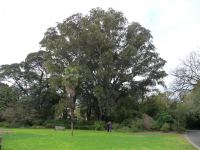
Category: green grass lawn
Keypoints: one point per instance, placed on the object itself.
(42, 139)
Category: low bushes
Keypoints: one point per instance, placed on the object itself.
(144, 122)
(148, 122)
(164, 118)
(131, 125)
(90, 125)
(181, 130)
(4, 124)
(165, 127)
(164, 123)
(99, 125)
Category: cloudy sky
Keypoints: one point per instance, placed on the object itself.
(174, 24)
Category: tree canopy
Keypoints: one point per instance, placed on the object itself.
(116, 58)
(187, 76)
(99, 62)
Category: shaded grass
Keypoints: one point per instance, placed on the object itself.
(43, 139)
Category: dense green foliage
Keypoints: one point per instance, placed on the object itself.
(186, 110)
(96, 68)
(116, 60)
(191, 108)
(27, 139)
(31, 98)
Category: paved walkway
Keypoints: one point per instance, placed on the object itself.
(194, 138)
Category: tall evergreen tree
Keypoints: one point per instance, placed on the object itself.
(116, 58)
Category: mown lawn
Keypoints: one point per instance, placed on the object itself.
(42, 139)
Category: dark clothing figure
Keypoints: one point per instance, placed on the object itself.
(109, 126)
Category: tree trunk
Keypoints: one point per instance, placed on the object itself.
(71, 96)
(88, 112)
(72, 120)
(72, 114)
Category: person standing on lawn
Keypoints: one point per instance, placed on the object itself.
(109, 126)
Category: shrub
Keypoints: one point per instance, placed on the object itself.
(135, 129)
(124, 129)
(181, 130)
(115, 126)
(16, 124)
(37, 127)
(155, 126)
(59, 122)
(193, 120)
(164, 118)
(132, 125)
(137, 125)
(4, 124)
(127, 123)
(148, 122)
(49, 125)
(85, 127)
(99, 125)
(37, 122)
(165, 127)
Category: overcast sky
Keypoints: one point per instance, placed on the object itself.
(174, 24)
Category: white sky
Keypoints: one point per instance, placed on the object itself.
(174, 24)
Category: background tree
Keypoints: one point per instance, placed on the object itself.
(188, 74)
(8, 97)
(192, 105)
(45, 96)
(155, 105)
(186, 84)
(31, 82)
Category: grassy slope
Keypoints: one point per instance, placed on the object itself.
(38, 139)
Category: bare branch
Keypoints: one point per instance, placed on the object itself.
(188, 75)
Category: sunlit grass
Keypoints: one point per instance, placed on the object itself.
(42, 139)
